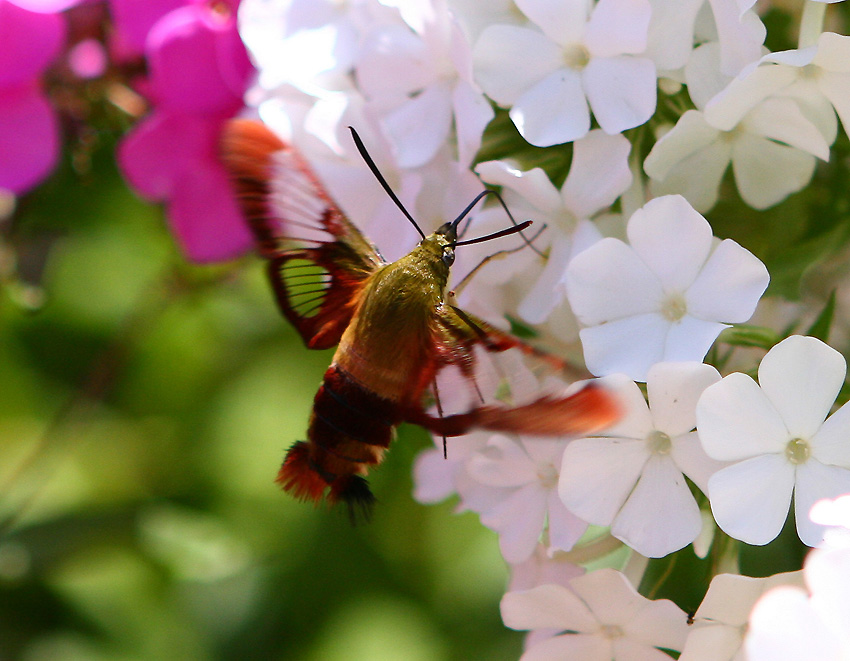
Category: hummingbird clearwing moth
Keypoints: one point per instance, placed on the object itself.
(395, 326)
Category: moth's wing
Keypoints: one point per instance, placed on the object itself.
(489, 379)
(318, 260)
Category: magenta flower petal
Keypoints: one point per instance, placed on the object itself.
(29, 137)
(46, 6)
(205, 217)
(133, 20)
(197, 62)
(30, 41)
(155, 154)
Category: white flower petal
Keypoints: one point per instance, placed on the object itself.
(519, 520)
(416, 142)
(507, 60)
(829, 445)
(609, 595)
(690, 338)
(816, 481)
(433, 477)
(627, 649)
(828, 578)
(671, 32)
(599, 173)
(698, 176)
(563, 22)
(660, 225)
(532, 185)
(692, 460)
(767, 172)
(726, 110)
(636, 420)
(703, 76)
(729, 286)
(501, 463)
(661, 515)
(472, 113)
(673, 390)
(618, 26)
(565, 528)
(598, 474)
(621, 91)
(836, 88)
(781, 119)
(801, 376)
(546, 607)
(741, 36)
(750, 499)
(547, 292)
(659, 623)
(833, 52)
(588, 647)
(785, 627)
(611, 347)
(552, 111)
(735, 420)
(609, 281)
(690, 136)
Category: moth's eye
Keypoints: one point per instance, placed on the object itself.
(448, 256)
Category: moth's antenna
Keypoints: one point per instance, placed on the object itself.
(495, 235)
(374, 168)
(521, 226)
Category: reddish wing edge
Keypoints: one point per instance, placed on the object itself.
(318, 260)
(589, 410)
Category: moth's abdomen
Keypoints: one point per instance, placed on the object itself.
(350, 429)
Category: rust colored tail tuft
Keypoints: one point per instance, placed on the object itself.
(298, 476)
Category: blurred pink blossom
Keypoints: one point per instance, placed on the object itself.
(29, 128)
(198, 71)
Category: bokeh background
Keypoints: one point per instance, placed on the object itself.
(145, 406)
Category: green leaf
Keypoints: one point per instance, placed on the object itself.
(820, 328)
(743, 335)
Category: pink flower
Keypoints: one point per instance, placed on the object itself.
(198, 72)
(29, 129)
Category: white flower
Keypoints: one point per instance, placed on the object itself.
(522, 477)
(665, 297)
(834, 513)
(418, 79)
(633, 479)
(739, 33)
(815, 77)
(772, 152)
(721, 620)
(789, 625)
(607, 620)
(776, 433)
(581, 55)
(599, 174)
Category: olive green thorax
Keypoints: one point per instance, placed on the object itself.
(391, 336)
(404, 294)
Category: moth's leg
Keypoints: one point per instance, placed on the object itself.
(440, 414)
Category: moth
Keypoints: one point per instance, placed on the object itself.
(395, 326)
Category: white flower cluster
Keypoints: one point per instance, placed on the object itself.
(626, 265)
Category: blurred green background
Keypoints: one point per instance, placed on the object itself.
(145, 406)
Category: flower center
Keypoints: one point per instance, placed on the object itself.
(674, 307)
(576, 57)
(657, 442)
(548, 476)
(612, 631)
(797, 451)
